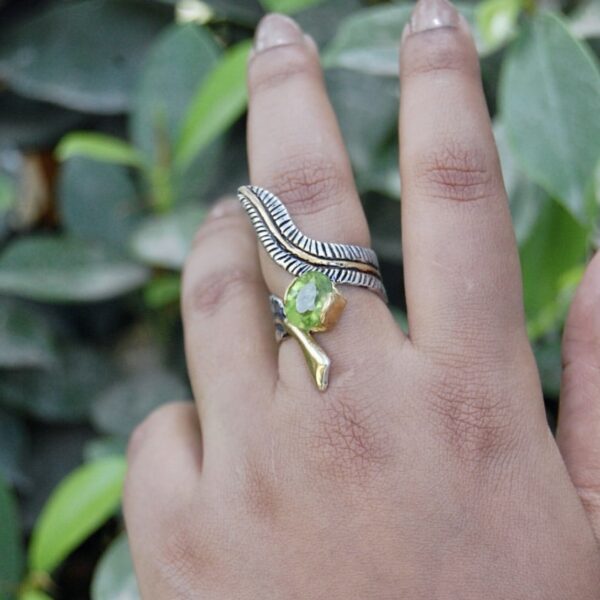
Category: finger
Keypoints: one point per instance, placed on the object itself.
(229, 334)
(460, 259)
(578, 433)
(164, 464)
(296, 151)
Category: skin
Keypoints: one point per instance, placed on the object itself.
(427, 470)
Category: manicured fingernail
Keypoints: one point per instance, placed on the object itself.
(276, 30)
(223, 208)
(431, 14)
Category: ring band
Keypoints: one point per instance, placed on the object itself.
(312, 302)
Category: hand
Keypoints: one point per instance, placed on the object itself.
(427, 469)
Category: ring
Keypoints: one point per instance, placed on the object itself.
(312, 303)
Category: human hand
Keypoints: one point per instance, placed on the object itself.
(427, 469)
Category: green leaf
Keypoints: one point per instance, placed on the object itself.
(369, 39)
(220, 101)
(98, 146)
(98, 201)
(104, 446)
(550, 94)
(554, 252)
(163, 290)
(114, 578)
(11, 545)
(14, 446)
(82, 502)
(7, 193)
(62, 391)
(62, 269)
(177, 65)
(165, 240)
(25, 337)
(584, 21)
(92, 65)
(497, 20)
(288, 6)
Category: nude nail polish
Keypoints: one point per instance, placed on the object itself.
(432, 14)
(276, 30)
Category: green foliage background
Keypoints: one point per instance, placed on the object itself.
(121, 121)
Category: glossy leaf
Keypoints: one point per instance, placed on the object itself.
(98, 146)
(550, 93)
(114, 578)
(98, 201)
(62, 269)
(76, 508)
(218, 104)
(91, 65)
(11, 544)
(165, 241)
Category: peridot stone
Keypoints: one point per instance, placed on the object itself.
(306, 300)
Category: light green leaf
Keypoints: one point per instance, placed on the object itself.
(77, 507)
(92, 65)
(34, 595)
(288, 6)
(62, 269)
(549, 95)
(163, 290)
(98, 146)
(11, 544)
(220, 101)
(555, 249)
(98, 201)
(165, 240)
(114, 578)
(497, 20)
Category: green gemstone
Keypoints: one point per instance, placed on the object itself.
(306, 299)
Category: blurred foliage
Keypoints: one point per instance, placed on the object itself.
(121, 121)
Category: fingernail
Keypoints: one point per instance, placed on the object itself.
(223, 208)
(431, 14)
(276, 30)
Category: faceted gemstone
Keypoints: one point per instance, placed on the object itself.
(307, 299)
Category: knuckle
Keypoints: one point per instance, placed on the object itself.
(309, 184)
(457, 173)
(349, 440)
(472, 414)
(279, 65)
(438, 52)
(257, 489)
(206, 294)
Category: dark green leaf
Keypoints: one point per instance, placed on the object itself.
(25, 337)
(61, 392)
(102, 447)
(219, 102)
(125, 404)
(60, 269)
(177, 65)
(288, 6)
(91, 65)
(14, 443)
(76, 508)
(98, 201)
(114, 578)
(98, 146)
(165, 240)
(11, 544)
(550, 93)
